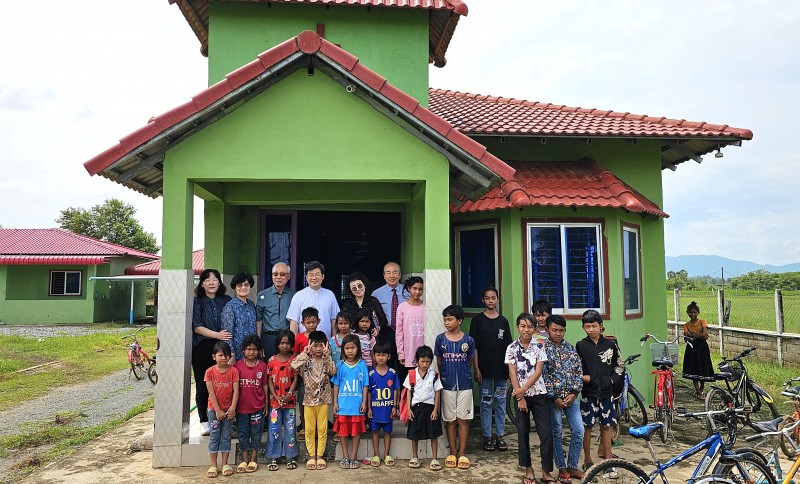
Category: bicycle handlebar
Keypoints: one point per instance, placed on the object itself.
(134, 333)
(740, 355)
(686, 339)
(788, 382)
(631, 359)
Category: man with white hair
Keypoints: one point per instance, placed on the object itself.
(272, 304)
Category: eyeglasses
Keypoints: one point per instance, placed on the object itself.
(280, 274)
(244, 284)
(357, 287)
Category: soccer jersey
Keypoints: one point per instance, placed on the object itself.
(455, 356)
(382, 390)
(351, 381)
(251, 386)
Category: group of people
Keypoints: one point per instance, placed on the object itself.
(257, 363)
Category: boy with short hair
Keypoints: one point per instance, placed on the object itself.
(601, 370)
(541, 309)
(455, 355)
(383, 388)
(310, 322)
(563, 377)
(316, 367)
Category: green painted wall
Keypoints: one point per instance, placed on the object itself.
(391, 41)
(639, 166)
(332, 150)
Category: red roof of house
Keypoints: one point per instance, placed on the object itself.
(443, 18)
(583, 183)
(132, 153)
(55, 242)
(479, 114)
(152, 268)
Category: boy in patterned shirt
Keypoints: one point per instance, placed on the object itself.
(563, 377)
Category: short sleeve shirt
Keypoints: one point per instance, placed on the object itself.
(222, 384)
(251, 386)
(351, 381)
(525, 360)
(424, 388)
(382, 390)
(282, 376)
(455, 357)
(492, 337)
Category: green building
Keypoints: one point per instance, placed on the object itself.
(319, 139)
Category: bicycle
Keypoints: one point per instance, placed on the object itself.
(629, 404)
(665, 356)
(731, 467)
(152, 374)
(791, 442)
(137, 356)
(740, 391)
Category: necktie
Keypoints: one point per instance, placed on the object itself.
(395, 302)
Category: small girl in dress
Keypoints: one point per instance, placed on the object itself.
(343, 328)
(350, 400)
(697, 358)
(365, 330)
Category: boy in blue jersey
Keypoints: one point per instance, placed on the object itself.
(455, 356)
(383, 387)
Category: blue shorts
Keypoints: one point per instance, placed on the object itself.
(386, 426)
(598, 409)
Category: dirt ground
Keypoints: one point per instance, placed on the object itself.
(108, 458)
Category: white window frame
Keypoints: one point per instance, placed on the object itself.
(64, 288)
(467, 228)
(601, 264)
(633, 229)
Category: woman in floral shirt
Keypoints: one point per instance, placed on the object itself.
(525, 360)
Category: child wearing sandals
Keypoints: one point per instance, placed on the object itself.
(423, 407)
(222, 382)
(316, 367)
(282, 440)
(350, 397)
(252, 400)
(383, 386)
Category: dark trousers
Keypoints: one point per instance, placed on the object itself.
(269, 343)
(537, 405)
(201, 361)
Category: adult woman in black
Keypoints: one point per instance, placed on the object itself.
(359, 288)
(209, 300)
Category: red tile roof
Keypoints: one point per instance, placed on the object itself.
(152, 268)
(46, 260)
(41, 242)
(129, 152)
(442, 24)
(583, 183)
(476, 114)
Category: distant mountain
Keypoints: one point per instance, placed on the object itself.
(710, 265)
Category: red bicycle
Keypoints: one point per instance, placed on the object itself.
(665, 356)
(137, 358)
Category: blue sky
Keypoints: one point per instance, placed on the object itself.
(77, 76)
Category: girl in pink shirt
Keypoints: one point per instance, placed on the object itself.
(411, 322)
(252, 401)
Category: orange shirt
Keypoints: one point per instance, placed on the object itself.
(694, 327)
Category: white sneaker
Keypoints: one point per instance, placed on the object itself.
(205, 428)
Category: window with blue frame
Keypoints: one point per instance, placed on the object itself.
(631, 270)
(565, 266)
(476, 263)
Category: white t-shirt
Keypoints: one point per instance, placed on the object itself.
(323, 300)
(424, 388)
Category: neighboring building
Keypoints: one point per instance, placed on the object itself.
(329, 145)
(45, 278)
(153, 267)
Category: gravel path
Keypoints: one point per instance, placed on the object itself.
(30, 331)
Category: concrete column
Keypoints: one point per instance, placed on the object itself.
(437, 297)
(171, 419)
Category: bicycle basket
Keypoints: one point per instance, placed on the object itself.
(735, 368)
(665, 351)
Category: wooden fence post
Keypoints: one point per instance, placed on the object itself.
(676, 300)
(779, 324)
(720, 319)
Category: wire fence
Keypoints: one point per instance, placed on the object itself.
(756, 310)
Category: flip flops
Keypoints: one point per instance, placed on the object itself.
(435, 465)
(463, 462)
(291, 465)
(564, 477)
(212, 472)
(241, 468)
(344, 463)
(388, 460)
(450, 462)
(252, 466)
(501, 445)
(375, 461)
(273, 465)
(414, 463)
(321, 464)
(311, 464)
(488, 445)
(227, 470)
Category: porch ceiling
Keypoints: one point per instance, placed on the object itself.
(137, 160)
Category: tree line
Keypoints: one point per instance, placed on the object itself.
(760, 280)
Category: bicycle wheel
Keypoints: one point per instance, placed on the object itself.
(749, 470)
(659, 415)
(717, 399)
(137, 367)
(634, 414)
(762, 409)
(151, 373)
(620, 416)
(786, 446)
(615, 471)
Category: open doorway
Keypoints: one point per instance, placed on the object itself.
(342, 241)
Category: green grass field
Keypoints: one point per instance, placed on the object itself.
(80, 358)
(749, 309)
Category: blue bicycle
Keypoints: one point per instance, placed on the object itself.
(743, 468)
(629, 404)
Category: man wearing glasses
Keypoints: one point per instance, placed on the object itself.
(272, 304)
